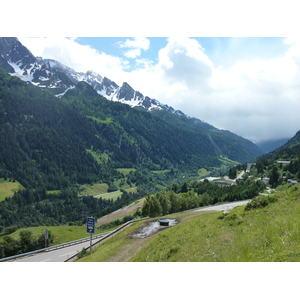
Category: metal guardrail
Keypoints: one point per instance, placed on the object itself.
(54, 247)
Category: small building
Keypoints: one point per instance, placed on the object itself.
(266, 180)
(283, 162)
(222, 183)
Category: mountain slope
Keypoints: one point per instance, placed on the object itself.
(54, 76)
(43, 141)
(51, 142)
(289, 150)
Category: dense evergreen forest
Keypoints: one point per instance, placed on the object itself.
(36, 207)
(43, 141)
(56, 143)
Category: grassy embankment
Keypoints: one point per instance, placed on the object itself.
(65, 234)
(270, 233)
(7, 188)
(62, 234)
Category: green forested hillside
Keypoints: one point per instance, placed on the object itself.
(49, 143)
(228, 144)
(280, 173)
(138, 138)
(43, 141)
(81, 138)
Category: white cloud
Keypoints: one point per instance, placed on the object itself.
(136, 45)
(133, 53)
(183, 60)
(258, 99)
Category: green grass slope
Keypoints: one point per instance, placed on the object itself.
(8, 187)
(269, 233)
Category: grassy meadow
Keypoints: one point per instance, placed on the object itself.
(266, 234)
(95, 189)
(7, 188)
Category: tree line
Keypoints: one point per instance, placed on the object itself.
(35, 207)
(193, 194)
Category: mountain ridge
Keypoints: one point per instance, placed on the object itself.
(104, 86)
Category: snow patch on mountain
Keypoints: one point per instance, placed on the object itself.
(25, 75)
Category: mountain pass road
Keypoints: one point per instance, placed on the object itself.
(225, 206)
(58, 255)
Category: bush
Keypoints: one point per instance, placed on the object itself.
(9, 230)
(261, 201)
(231, 217)
(82, 253)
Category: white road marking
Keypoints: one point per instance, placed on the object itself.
(68, 253)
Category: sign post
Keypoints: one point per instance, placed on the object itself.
(46, 237)
(90, 228)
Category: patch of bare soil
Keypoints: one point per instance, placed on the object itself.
(117, 214)
(138, 238)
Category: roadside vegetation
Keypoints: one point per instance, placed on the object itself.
(14, 240)
(252, 233)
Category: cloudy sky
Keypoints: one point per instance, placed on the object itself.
(228, 63)
(248, 85)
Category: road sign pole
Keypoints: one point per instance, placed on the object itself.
(90, 228)
(91, 243)
(46, 237)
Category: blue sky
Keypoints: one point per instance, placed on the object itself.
(221, 50)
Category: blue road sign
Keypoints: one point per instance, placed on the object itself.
(90, 225)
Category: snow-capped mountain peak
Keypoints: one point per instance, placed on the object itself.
(49, 73)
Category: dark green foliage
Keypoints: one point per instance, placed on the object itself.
(199, 194)
(232, 173)
(274, 176)
(225, 142)
(266, 166)
(32, 207)
(9, 230)
(118, 222)
(10, 246)
(82, 253)
(43, 141)
(261, 201)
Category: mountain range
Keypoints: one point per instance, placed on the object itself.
(18, 61)
(123, 127)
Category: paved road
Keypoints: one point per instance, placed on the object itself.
(59, 255)
(240, 175)
(225, 207)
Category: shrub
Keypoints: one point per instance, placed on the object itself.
(261, 201)
(231, 217)
(82, 253)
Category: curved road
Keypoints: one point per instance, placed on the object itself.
(62, 254)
